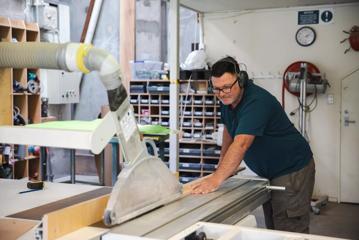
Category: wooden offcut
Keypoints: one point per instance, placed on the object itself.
(37, 213)
(14, 228)
(72, 218)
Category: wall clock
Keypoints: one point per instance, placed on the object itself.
(305, 36)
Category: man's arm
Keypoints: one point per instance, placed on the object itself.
(227, 166)
(226, 142)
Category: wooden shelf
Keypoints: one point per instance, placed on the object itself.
(34, 27)
(17, 24)
(29, 104)
(4, 22)
(196, 103)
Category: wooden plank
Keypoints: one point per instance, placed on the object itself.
(12, 202)
(34, 108)
(59, 223)
(14, 228)
(6, 98)
(85, 233)
(38, 212)
(127, 38)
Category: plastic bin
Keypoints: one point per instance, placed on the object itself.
(134, 100)
(209, 167)
(165, 112)
(146, 69)
(187, 124)
(209, 152)
(158, 88)
(190, 166)
(187, 179)
(190, 151)
(138, 88)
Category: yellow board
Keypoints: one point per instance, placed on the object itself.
(59, 223)
(12, 228)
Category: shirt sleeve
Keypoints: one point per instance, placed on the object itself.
(254, 117)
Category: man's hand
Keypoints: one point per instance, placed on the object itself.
(205, 185)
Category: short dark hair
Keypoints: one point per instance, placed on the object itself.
(225, 65)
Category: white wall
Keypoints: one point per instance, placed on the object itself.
(148, 30)
(264, 40)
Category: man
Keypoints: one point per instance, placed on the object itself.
(258, 130)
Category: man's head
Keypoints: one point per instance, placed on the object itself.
(224, 79)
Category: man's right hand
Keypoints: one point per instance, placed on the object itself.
(204, 185)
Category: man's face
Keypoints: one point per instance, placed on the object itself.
(227, 89)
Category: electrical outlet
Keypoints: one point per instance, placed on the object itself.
(330, 98)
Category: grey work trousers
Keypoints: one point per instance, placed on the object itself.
(289, 210)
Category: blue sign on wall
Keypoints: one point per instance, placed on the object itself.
(326, 16)
(308, 17)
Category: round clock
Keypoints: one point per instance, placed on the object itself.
(305, 36)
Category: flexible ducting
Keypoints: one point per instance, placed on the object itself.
(32, 55)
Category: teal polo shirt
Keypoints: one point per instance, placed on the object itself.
(278, 147)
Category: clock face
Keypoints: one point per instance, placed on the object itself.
(305, 36)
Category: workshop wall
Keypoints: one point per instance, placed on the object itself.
(189, 32)
(12, 9)
(265, 41)
(148, 30)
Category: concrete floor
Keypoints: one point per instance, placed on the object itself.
(334, 220)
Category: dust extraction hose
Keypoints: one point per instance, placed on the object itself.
(69, 57)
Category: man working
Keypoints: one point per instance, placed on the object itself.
(258, 130)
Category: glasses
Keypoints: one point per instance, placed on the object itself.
(225, 89)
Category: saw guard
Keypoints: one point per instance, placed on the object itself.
(141, 187)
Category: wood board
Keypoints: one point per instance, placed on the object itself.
(59, 223)
(11, 228)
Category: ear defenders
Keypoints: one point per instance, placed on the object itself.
(242, 76)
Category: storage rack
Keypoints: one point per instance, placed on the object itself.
(29, 104)
(200, 116)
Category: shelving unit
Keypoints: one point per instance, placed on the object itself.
(29, 104)
(200, 116)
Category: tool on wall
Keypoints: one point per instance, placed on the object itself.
(353, 39)
(303, 79)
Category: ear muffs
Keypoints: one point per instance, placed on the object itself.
(210, 86)
(242, 79)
